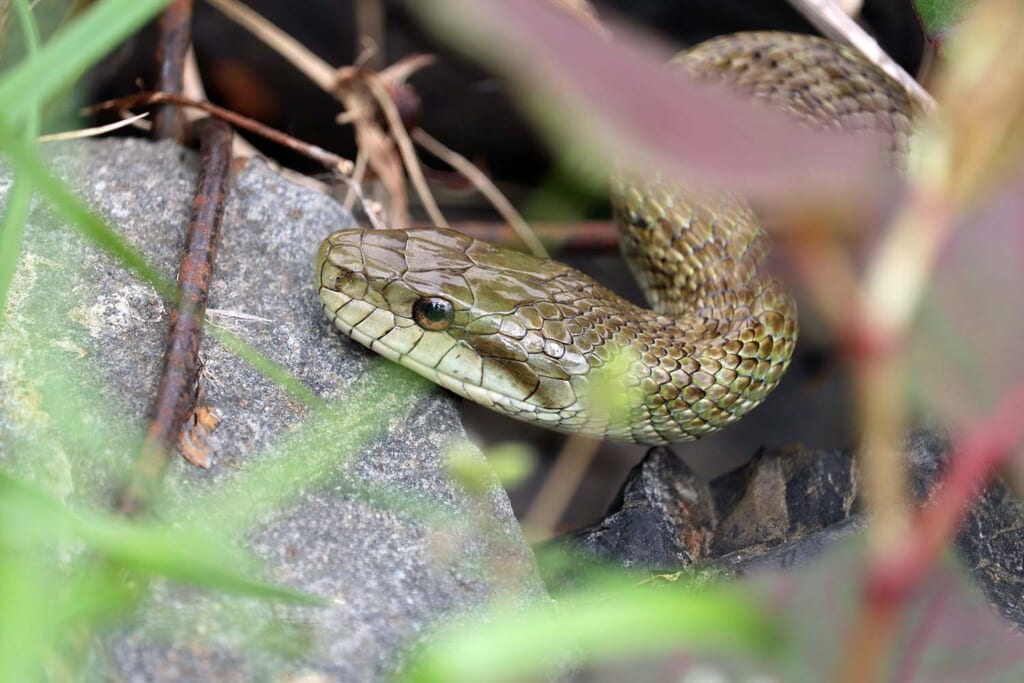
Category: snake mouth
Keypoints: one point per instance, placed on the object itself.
(354, 318)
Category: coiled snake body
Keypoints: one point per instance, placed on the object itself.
(541, 341)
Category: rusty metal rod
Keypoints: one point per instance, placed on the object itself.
(175, 390)
(172, 48)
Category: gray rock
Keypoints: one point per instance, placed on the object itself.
(354, 505)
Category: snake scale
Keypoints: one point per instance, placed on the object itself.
(540, 341)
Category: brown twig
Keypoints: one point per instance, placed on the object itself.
(358, 172)
(93, 131)
(559, 487)
(577, 237)
(175, 390)
(401, 138)
(488, 189)
(314, 68)
(330, 160)
(370, 208)
(175, 38)
(371, 24)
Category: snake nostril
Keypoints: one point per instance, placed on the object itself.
(342, 279)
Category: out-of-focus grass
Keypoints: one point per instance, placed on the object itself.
(16, 210)
(610, 618)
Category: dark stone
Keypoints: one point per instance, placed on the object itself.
(667, 518)
(786, 507)
(662, 518)
(782, 495)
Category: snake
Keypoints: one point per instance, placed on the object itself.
(542, 342)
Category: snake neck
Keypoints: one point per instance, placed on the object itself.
(688, 254)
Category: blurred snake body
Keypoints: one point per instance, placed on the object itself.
(542, 342)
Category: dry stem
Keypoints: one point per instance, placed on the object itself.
(488, 189)
(831, 19)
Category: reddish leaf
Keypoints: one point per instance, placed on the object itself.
(948, 633)
(966, 344)
(618, 99)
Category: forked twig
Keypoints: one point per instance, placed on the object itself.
(330, 160)
(401, 137)
(488, 189)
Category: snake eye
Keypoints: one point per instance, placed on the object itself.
(433, 313)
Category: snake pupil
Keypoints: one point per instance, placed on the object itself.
(433, 313)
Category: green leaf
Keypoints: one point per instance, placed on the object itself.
(617, 620)
(25, 622)
(12, 226)
(30, 518)
(71, 51)
(511, 462)
(939, 16)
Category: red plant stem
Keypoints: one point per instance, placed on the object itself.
(172, 48)
(891, 579)
(913, 653)
(175, 390)
(979, 453)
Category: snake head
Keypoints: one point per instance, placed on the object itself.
(490, 324)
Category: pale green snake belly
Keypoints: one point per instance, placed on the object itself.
(540, 341)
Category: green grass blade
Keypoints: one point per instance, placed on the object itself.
(74, 210)
(71, 51)
(32, 518)
(618, 622)
(12, 228)
(266, 367)
(25, 624)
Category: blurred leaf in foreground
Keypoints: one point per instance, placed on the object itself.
(31, 518)
(510, 461)
(949, 633)
(617, 100)
(965, 346)
(51, 591)
(71, 50)
(609, 620)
